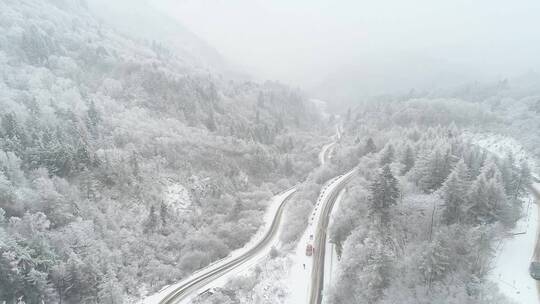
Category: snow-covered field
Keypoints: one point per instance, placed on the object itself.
(268, 218)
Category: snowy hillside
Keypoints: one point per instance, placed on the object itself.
(126, 164)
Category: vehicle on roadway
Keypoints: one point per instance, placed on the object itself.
(309, 250)
(534, 270)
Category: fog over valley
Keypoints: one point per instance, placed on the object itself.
(370, 47)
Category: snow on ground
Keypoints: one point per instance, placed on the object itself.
(514, 254)
(176, 197)
(299, 277)
(268, 218)
(500, 145)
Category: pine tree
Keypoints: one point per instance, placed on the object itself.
(152, 222)
(387, 156)
(509, 173)
(478, 200)
(491, 170)
(435, 262)
(454, 194)
(384, 193)
(488, 201)
(499, 208)
(524, 180)
(431, 170)
(407, 160)
(370, 146)
(109, 291)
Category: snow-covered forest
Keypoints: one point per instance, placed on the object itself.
(422, 220)
(133, 155)
(123, 169)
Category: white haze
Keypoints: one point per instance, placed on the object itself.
(343, 47)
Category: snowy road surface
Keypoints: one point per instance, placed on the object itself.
(325, 152)
(307, 273)
(214, 274)
(511, 267)
(327, 149)
(327, 200)
(331, 258)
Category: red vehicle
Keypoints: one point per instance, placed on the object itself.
(309, 250)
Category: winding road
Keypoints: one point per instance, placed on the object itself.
(328, 199)
(202, 280)
(199, 280)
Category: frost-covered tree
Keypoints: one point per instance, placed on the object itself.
(523, 181)
(407, 160)
(370, 147)
(454, 192)
(109, 289)
(384, 193)
(431, 170)
(487, 201)
(509, 172)
(435, 261)
(387, 155)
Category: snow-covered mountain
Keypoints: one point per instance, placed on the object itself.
(127, 162)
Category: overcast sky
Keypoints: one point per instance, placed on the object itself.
(382, 42)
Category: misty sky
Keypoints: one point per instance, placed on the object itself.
(381, 44)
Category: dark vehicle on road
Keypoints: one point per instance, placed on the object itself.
(534, 270)
(309, 250)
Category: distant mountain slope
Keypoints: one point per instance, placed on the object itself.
(98, 128)
(141, 20)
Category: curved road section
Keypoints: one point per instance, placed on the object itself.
(317, 274)
(199, 281)
(202, 280)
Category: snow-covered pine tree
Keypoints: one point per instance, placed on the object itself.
(387, 155)
(454, 194)
(407, 160)
(479, 205)
(384, 194)
(109, 291)
(488, 201)
(499, 208)
(370, 146)
(432, 169)
(509, 173)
